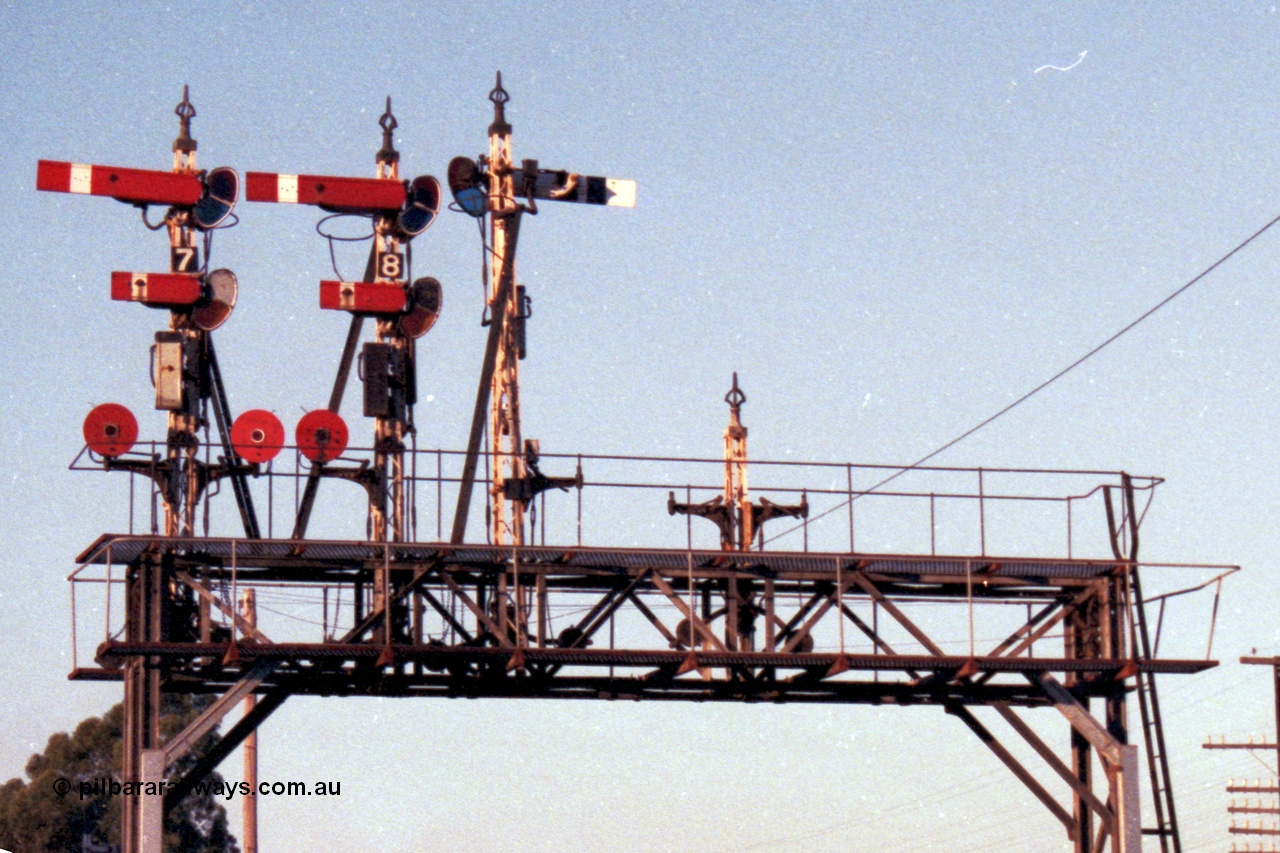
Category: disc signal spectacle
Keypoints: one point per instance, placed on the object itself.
(468, 186)
(217, 300)
(424, 303)
(110, 430)
(257, 436)
(421, 206)
(221, 189)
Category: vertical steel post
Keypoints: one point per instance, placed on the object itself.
(1074, 631)
(509, 474)
(146, 582)
(1275, 680)
(151, 806)
(387, 518)
(249, 610)
(143, 591)
(507, 522)
(736, 497)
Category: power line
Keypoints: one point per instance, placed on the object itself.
(1045, 384)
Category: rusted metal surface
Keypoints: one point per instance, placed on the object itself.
(112, 653)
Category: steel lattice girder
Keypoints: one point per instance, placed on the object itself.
(483, 659)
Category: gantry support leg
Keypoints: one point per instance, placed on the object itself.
(144, 593)
(1092, 629)
(1082, 771)
(1119, 818)
(1119, 760)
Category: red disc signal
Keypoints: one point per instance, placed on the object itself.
(321, 435)
(257, 435)
(110, 429)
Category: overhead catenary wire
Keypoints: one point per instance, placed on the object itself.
(1046, 383)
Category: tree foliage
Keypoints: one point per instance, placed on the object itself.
(34, 818)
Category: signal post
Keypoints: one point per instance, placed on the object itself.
(402, 312)
(491, 187)
(186, 378)
(389, 388)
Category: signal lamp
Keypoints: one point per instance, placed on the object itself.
(425, 301)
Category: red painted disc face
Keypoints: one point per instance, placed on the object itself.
(257, 435)
(322, 435)
(110, 429)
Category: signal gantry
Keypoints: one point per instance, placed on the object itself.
(525, 615)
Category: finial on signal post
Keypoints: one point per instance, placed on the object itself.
(185, 113)
(499, 97)
(388, 122)
(735, 398)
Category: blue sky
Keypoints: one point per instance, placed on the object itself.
(879, 214)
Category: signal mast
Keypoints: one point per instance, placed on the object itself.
(402, 312)
(489, 187)
(740, 522)
(187, 378)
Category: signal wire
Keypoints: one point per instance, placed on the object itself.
(1045, 384)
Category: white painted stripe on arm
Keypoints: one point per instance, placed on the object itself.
(287, 189)
(81, 178)
(621, 193)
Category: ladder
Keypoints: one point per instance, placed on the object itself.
(1166, 827)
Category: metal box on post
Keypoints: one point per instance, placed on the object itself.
(168, 371)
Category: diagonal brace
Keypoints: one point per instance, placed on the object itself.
(240, 622)
(694, 620)
(861, 580)
(225, 746)
(1101, 809)
(653, 619)
(498, 634)
(1066, 610)
(1109, 749)
(827, 603)
(1013, 764)
(213, 715)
